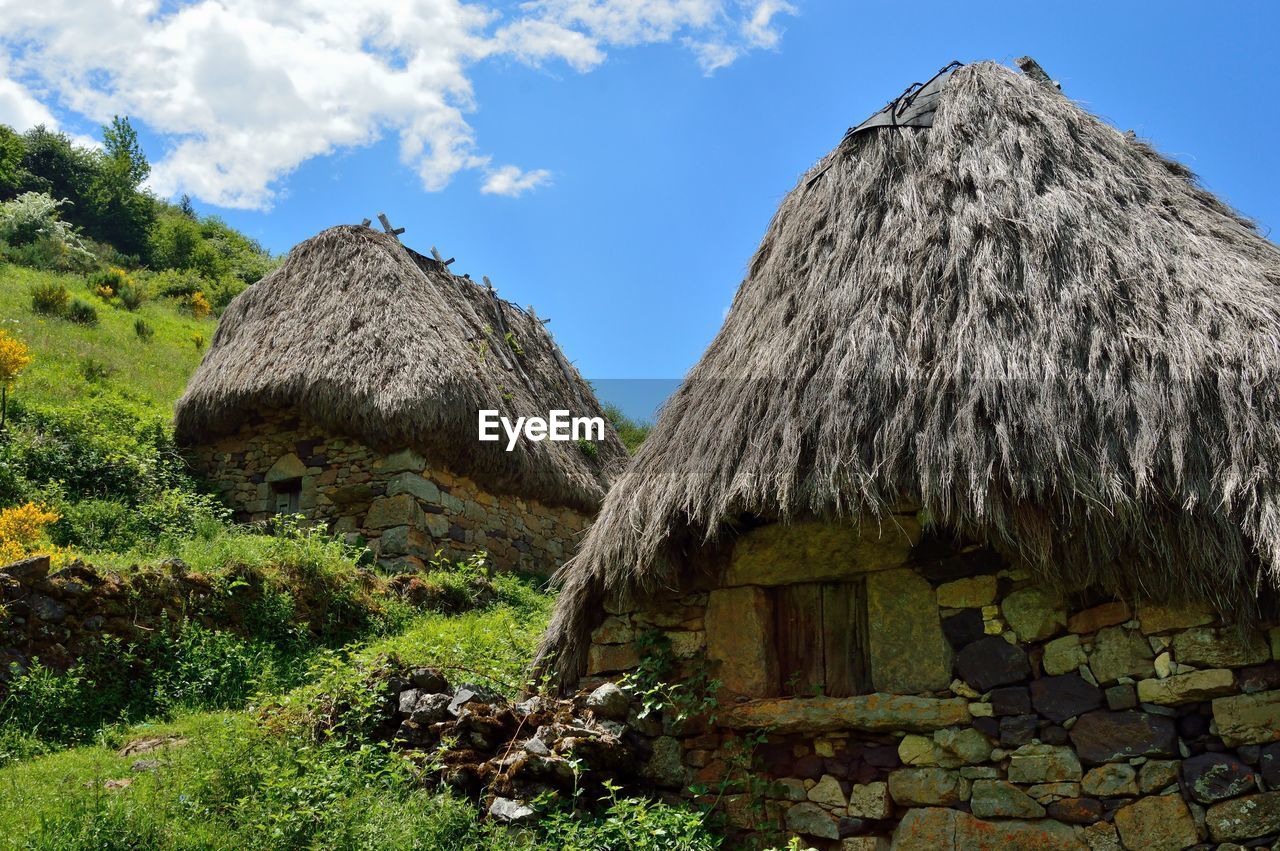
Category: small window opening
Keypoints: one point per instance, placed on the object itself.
(286, 494)
(820, 638)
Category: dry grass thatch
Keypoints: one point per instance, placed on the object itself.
(1026, 322)
(366, 337)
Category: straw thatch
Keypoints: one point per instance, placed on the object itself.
(365, 337)
(1029, 324)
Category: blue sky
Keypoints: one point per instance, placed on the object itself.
(652, 174)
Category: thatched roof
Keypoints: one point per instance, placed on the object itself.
(1031, 325)
(365, 337)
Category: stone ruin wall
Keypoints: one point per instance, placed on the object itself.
(990, 714)
(405, 507)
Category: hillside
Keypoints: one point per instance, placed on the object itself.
(73, 362)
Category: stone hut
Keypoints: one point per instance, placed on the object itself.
(967, 520)
(346, 386)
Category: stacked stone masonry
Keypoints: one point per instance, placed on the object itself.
(993, 714)
(403, 506)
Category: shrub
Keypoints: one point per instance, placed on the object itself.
(144, 331)
(93, 370)
(50, 298)
(36, 236)
(81, 312)
(131, 295)
(199, 305)
(21, 529)
(198, 340)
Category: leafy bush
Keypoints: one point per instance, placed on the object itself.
(143, 330)
(81, 312)
(93, 370)
(36, 236)
(131, 295)
(22, 528)
(631, 432)
(50, 298)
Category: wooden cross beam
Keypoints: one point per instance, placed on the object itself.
(386, 226)
(1032, 69)
(364, 224)
(439, 258)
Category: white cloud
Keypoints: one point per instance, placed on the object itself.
(242, 92)
(510, 180)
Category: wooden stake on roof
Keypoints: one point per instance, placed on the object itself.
(564, 365)
(386, 226)
(364, 223)
(506, 334)
(1032, 69)
(440, 259)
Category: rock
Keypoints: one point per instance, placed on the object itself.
(1245, 818)
(1047, 793)
(972, 592)
(815, 551)
(1187, 688)
(1043, 764)
(870, 800)
(1263, 677)
(999, 798)
(1034, 614)
(827, 792)
(507, 811)
(1018, 730)
(1112, 780)
(414, 484)
(1156, 774)
(537, 747)
(401, 510)
(1121, 696)
(1161, 618)
(1119, 652)
(666, 765)
(1011, 700)
(1269, 765)
(613, 630)
(1063, 655)
(1076, 810)
(1248, 719)
(922, 787)
(429, 679)
(612, 658)
(962, 746)
(1104, 736)
(1164, 665)
(906, 647)
(1092, 620)
(144, 765)
(864, 843)
(408, 699)
(1102, 836)
(917, 750)
(991, 662)
(1159, 823)
(869, 713)
(952, 829)
(47, 609)
(1062, 697)
(810, 819)
(1206, 647)
(609, 701)
(431, 709)
(29, 570)
(1213, 777)
(469, 694)
(739, 625)
(963, 628)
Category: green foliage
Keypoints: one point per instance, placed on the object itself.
(588, 448)
(50, 298)
(11, 152)
(631, 432)
(81, 312)
(143, 330)
(131, 295)
(93, 370)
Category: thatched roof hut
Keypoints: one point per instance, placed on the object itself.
(367, 337)
(1030, 325)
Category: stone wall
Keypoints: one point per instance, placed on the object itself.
(404, 506)
(984, 711)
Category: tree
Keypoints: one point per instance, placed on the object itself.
(125, 214)
(14, 358)
(12, 175)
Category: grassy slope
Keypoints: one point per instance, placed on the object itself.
(152, 374)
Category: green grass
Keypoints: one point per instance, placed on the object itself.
(151, 374)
